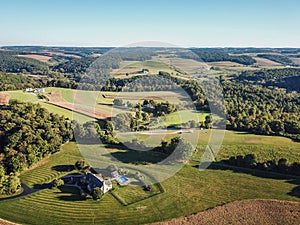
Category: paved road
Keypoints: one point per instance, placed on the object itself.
(27, 190)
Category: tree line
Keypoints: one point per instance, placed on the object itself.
(28, 133)
(277, 58)
(213, 55)
(250, 161)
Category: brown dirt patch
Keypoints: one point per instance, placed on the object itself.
(225, 64)
(63, 54)
(4, 98)
(246, 212)
(5, 222)
(41, 58)
(56, 98)
(265, 62)
(296, 60)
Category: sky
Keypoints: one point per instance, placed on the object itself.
(184, 23)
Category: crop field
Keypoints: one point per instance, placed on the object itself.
(89, 104)
(135, 67)
(245, 212)
(30, 97)
(296, 61)
(183, 66)
(266, 62)
(187, 192)
(41, 58)
(100, 104)
(225, 64)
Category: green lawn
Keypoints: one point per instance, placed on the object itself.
(264, 147)
(51, 167)
(184, 116)
(188, 191)
(23, 96)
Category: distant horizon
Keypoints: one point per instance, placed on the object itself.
(111, 46)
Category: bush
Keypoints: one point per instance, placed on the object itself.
(80, 164)
(97, 193)
(58, 183)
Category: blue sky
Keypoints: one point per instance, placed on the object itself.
(187, 23)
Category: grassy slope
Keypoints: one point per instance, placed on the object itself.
(189, 191)
(264, 147)
(29, 97)
(46, 172)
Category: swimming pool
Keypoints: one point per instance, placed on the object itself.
(123, 179)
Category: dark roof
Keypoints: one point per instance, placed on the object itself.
(93, 180)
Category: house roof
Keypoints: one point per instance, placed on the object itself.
(96, 181)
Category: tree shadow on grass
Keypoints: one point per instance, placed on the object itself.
(42, 186)
(295, 192)
(107, 104)
(138, 157)
(63, 168)
(143, 156)
(72, 194)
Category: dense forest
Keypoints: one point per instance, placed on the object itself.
(261, 110)
(79, 51)
(14, 64)
(77, 66)
(284, 78)
(16, 82)
(213, 55)
(28, 133)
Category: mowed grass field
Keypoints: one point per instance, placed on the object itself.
(51, 167)
(263, 147)
(187, 192)
(30, 97)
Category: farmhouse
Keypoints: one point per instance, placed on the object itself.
(95, 181)
(144, 71)
(37, 90)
